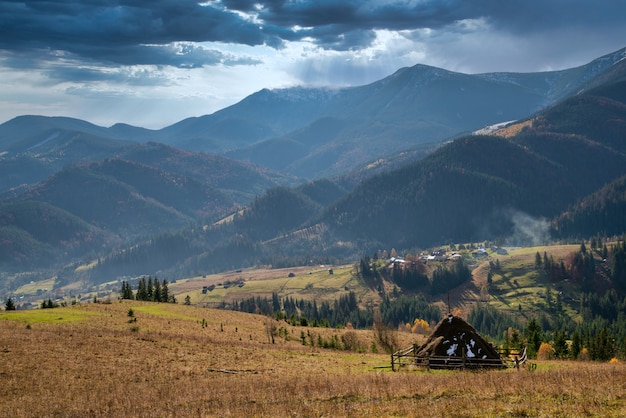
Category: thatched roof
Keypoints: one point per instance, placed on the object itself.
(454, 338)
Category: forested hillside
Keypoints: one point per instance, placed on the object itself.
(504, 187)
(475, 186)
(37, 234)
(602, 214)
(136, 191)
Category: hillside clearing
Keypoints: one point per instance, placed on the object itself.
(306, 283)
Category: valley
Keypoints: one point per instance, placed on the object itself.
(516, 285)
(313, 209)
(515, 230)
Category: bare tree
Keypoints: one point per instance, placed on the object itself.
(271, 327)
(386, 337)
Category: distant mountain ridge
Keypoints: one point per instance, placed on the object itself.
(127, 204)
(137, 191)
(412, 106)
(320, 132)
(514, 187)
(475, 186)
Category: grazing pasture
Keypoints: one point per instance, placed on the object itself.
(140, 359)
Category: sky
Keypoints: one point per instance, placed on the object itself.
(152, 63)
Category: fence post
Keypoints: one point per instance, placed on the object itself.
(463, 356)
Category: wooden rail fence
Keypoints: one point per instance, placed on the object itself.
(407, 357)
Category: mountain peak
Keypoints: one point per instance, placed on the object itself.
(297, 94)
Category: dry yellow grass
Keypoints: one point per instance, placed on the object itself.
(513, 129)
(98, 364)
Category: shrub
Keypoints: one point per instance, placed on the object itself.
(350, 341)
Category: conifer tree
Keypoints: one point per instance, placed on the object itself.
(9, 305)
(149, 289)
(165, 293)
(157, 296)
(127, 291)
(560, 344)
(142, 293)
(576, 345)
(534, 336)
(537, 260)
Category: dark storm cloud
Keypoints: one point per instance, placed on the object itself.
(114, 31)
(129, 31)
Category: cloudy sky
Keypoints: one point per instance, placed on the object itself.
(151, 63)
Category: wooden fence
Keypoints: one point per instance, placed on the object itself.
(407, 357)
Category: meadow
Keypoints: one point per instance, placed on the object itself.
(166, 360)
(305, 283)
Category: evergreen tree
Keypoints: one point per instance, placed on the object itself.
(534, 336)
(601, 346)
(48, 304)
(142, 293)
(275, 302)
(165, 292)
(127, 291)
(157, 296)
(537, 260)
(149, 289)
(617, 262)
(9, 305)
(560, 345)
(577, 345)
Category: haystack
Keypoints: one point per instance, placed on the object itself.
(454, 342)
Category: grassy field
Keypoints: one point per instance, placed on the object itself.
(299, 282)
(182, 361)
(33, 287)
(517, 284)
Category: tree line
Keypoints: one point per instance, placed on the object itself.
(150, 290)
(393, 312)
(601, 335)
(412, 275)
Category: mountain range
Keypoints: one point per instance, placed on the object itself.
(302, 173)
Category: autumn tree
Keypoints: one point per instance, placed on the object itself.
(420, 326)
(545, 352)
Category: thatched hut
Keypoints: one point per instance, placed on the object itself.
(453, 344)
